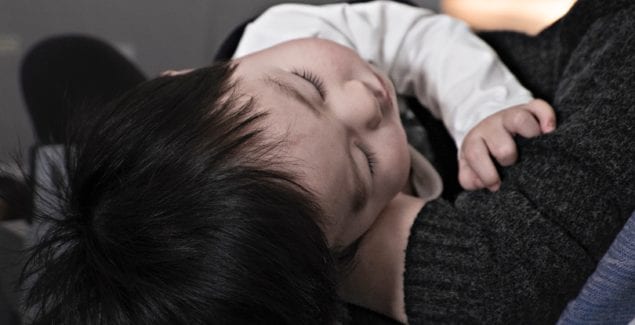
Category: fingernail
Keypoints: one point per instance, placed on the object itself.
(550, 127)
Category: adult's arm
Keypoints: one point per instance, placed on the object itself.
(433, 57)
(518, 255)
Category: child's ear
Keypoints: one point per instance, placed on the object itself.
(172, 73)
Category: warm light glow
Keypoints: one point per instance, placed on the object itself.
(530, 16)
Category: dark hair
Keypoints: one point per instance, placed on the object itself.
(176, 211)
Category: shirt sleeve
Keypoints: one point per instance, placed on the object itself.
(436, 58)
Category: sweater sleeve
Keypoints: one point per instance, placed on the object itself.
(433, 57)
(518, 255)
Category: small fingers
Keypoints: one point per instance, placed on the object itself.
(502, 147)
(522, 122)
(544, 113)
(477, 157)
(467, 177)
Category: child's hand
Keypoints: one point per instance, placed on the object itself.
(493, 137)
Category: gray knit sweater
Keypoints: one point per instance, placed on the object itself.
(518, 255)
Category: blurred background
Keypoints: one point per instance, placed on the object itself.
(160, 35)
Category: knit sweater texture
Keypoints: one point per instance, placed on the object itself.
(519, 255)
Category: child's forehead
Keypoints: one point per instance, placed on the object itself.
(260, 86)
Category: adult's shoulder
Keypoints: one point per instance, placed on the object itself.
(523, 252)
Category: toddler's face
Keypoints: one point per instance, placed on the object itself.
(340, 118)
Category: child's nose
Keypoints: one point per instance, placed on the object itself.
(362, 107)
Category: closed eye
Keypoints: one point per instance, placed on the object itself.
(370, 157)
(314, 79)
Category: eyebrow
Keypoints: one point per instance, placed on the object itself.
(291, 92)
(360, 191)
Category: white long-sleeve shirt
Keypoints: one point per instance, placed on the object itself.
(433, 57)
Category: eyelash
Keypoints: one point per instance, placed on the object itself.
(319, 85)
(370, 157)
(313, 79)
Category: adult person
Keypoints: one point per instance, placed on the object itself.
(497, 257)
